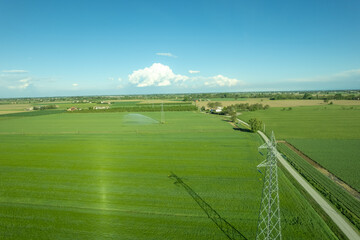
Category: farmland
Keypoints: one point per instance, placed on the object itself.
(345, 202)
(278, 103)
(327, 134)
(104, 175)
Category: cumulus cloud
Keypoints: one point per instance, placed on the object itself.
(120, 79)
(222, 81)
(155, 75)
(14, 71)
(166, 54)
(75, 84)
(193, 71)
(22, 84)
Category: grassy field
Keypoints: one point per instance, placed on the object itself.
(345, 202)
(104, 176)
(280, 103)
(330, 135)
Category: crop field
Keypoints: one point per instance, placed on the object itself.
(330, 135)
(12, 108)
(346, 203)
(115, 104)
(278, 103)
(105, 176)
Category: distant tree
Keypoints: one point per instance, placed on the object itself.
(211, 104)
(307, 96)
(214, 104)
(255, 124)
(326, 100)
(232, 116)
(218, 104)
(186, 98)
(338, 96)
(202, 108)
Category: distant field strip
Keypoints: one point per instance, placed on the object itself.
(280, 103)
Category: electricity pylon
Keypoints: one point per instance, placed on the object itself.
(269, 216)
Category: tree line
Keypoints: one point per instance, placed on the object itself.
(45, 107)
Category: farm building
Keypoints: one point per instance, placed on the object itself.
(72, 109)
(98, 108)
(218, 110)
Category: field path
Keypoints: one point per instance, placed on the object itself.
(336, 217)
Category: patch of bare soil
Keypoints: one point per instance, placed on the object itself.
(324, 171)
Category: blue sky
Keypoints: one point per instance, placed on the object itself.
(54, 48)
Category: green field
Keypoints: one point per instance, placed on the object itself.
(344, 202)
(330, 135)
(104, 176)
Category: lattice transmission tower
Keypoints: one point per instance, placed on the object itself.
(269, 216)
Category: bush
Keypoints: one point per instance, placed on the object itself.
(232, 116)
(255, 124)
(214, 104)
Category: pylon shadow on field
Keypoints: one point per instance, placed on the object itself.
(229, 230)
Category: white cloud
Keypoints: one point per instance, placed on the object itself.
(111, 78)
(24, 83)
(166, 54)
(193, 71)
(222, 81)
(120, 79)
(75, 84)
(14, 71)
(156, 75)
